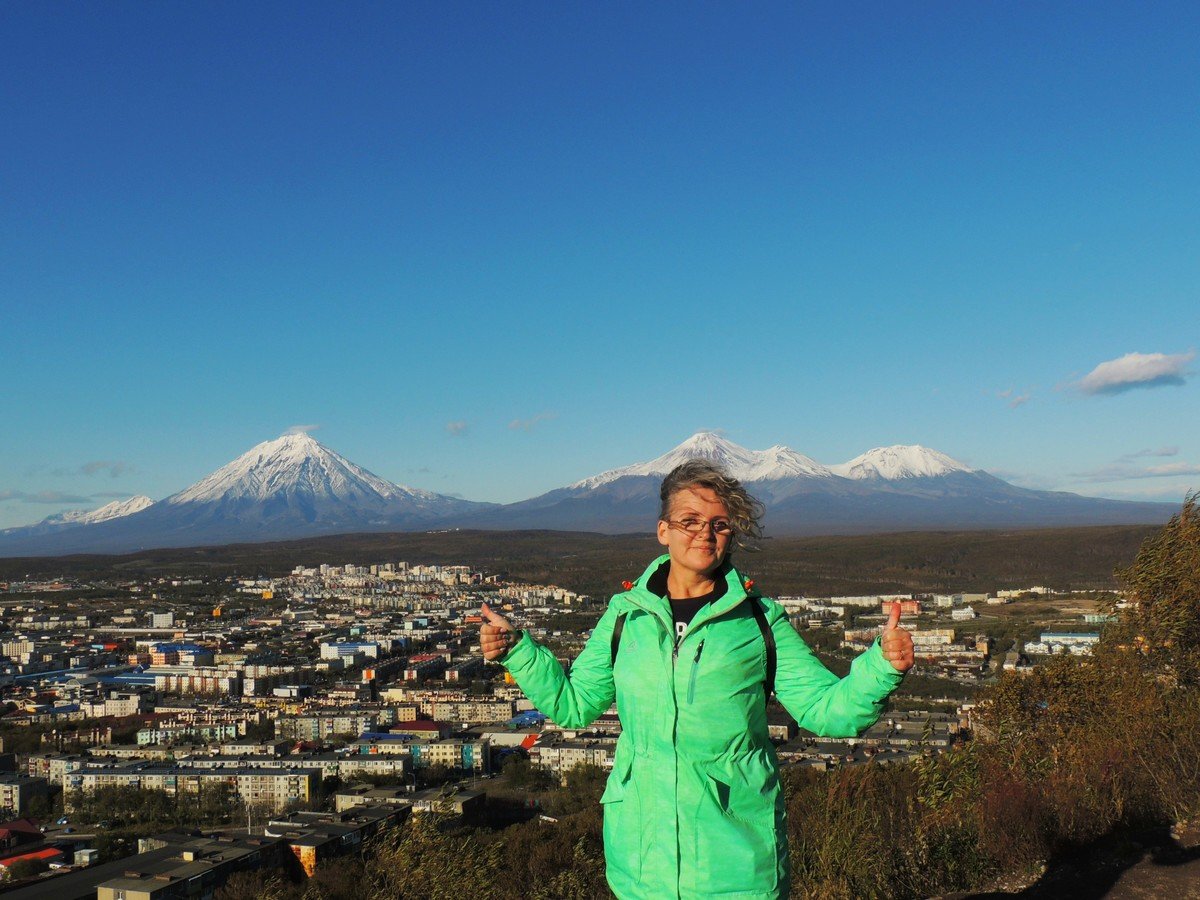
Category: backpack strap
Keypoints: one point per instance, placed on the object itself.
(760, 619)
(615, 643)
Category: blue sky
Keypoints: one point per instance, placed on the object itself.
(489, 249)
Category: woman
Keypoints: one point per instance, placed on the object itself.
(693, 806)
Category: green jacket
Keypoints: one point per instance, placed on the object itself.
(693, 806)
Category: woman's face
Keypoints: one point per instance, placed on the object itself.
(704, 551)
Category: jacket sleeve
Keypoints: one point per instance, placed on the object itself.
(818, 699)
(574, 700)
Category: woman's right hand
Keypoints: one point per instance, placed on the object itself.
(496, 635)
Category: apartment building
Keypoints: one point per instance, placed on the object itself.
(425, 665)
(1063, 642)
(464, 670)
(271, 788)
(321, 724)
(454, 754)
(54, 767)
(342, 765)
(16, 791)
(195, 868)
(474, 712)
(198, 680)
(566, 755)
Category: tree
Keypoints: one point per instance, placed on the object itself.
(519, 773)
(339, 878)
(424, 860)
(256, 884)
(584, 785)
(1113, 738)
(261, 732)
(1162, 623)
(40, 807)
(435, 775)
(27, 868)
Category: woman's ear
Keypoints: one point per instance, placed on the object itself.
(664, 531)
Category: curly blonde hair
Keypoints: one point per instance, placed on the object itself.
(745, 512)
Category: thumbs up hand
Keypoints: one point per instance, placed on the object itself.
(897, 644)
(496, 634)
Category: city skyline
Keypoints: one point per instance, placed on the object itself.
(489, 252)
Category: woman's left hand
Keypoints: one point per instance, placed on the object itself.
(897, 644)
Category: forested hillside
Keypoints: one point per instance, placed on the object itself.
(1077, 558)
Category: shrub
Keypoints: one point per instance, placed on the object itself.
(1065, 755)
(1161, 627)
(27, 868)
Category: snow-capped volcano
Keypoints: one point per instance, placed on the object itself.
(887, 489)
(899, 461)
(627, 498)
(294, 484)
(746, 465)
(296, 465)
(115, 510)
(290, 487)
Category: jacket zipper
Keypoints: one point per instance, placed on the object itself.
(691, 695)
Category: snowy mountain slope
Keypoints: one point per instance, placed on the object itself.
(746, 465)
(897, 462)
(75, 518)
(289, 487)
(114, 510)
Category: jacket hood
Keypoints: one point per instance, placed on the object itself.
(641, 595)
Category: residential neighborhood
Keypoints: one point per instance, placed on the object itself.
(349, 696)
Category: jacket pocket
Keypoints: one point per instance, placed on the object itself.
(622, 828)
(736, 844)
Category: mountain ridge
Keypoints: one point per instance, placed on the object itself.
(293, 487)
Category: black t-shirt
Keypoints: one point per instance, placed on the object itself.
(684, 609)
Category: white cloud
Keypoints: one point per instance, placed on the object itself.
(456, 429)
(113, 468)
(1127, 473)
(1145, 492)
(1149, 451)
(301, 429)
(1032, 480)
(1169, 469)
(1136, 370)
(44, 497)
(527, 424)
(1014, 399)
